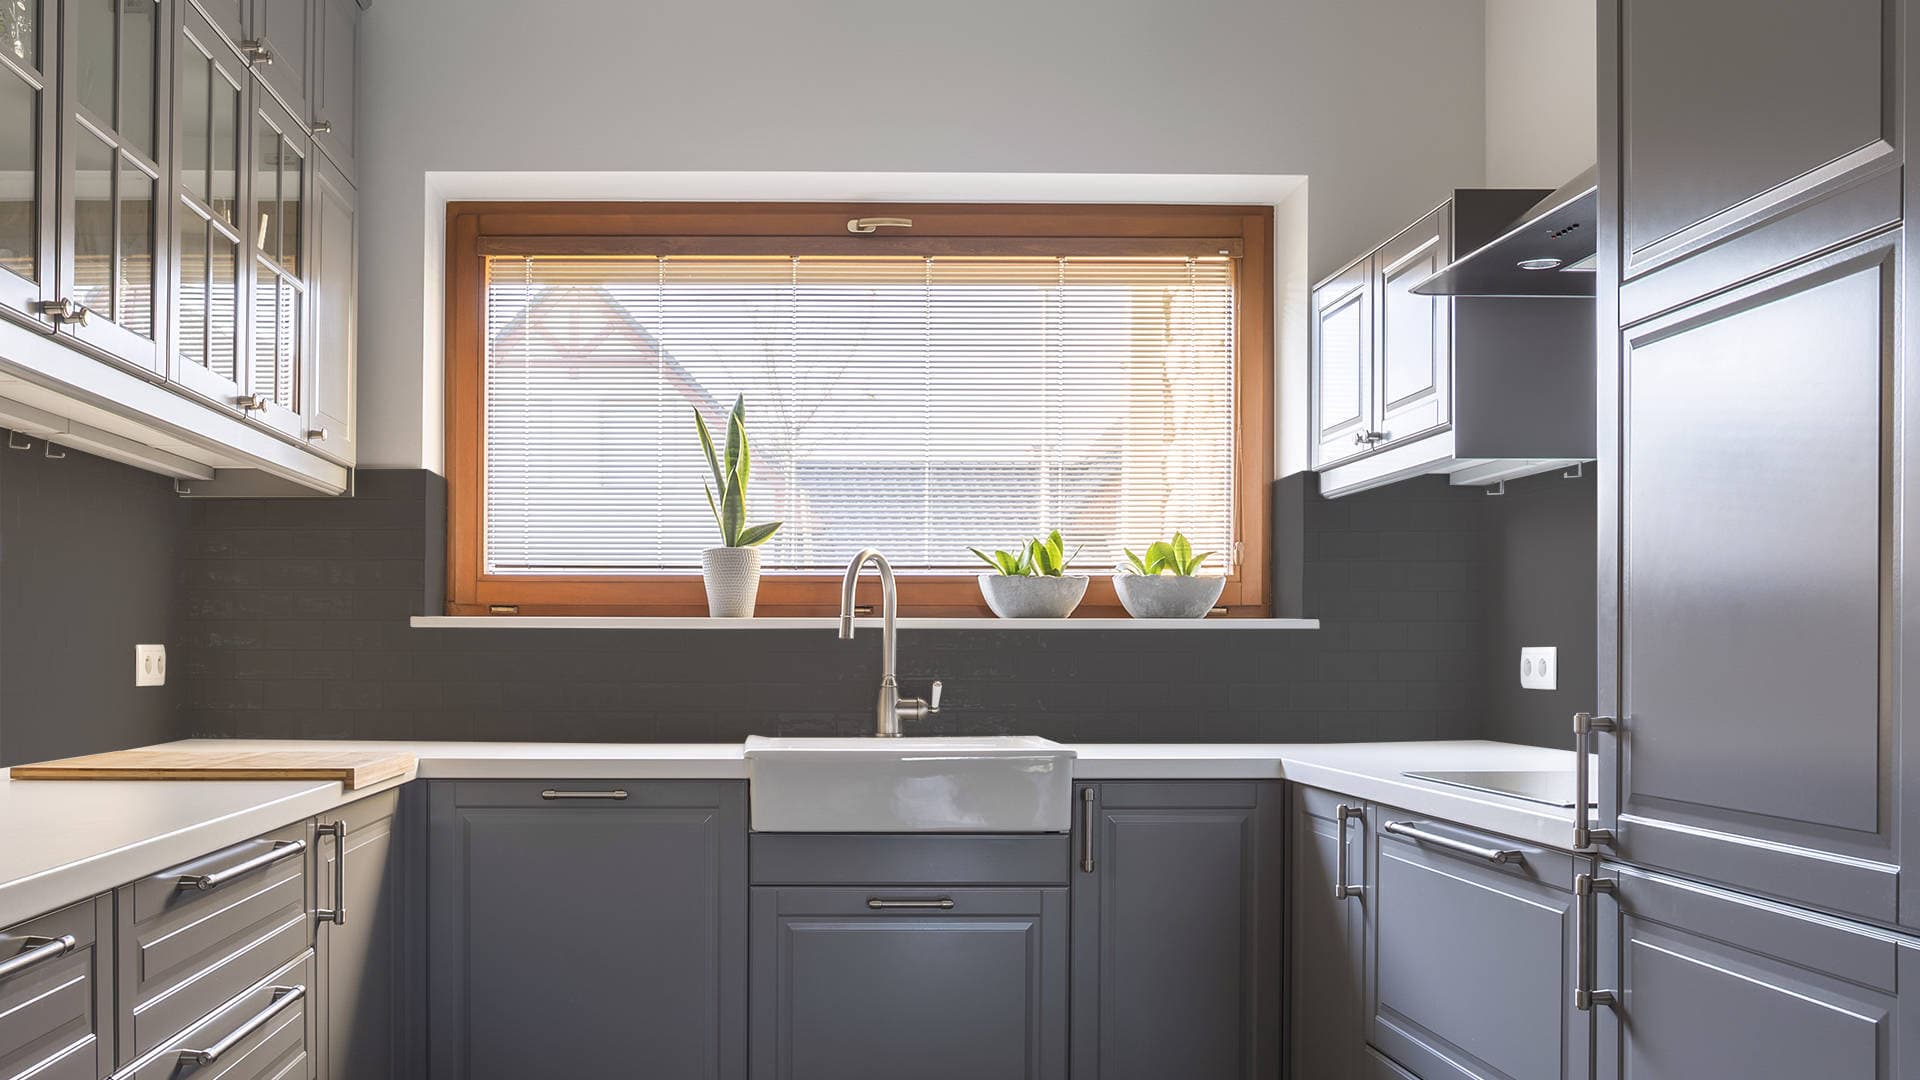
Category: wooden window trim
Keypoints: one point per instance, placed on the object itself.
(475, 229)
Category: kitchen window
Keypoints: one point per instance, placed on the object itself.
(975, 377)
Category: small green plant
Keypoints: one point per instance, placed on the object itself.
(729, 505)
(1175, 555)
(1042, 556)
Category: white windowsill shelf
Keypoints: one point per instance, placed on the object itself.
(828, 622)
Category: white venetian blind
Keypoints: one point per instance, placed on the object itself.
(915, 404)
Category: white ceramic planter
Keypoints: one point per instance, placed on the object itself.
(733, 581)
(1166, 596)
(1033, 597)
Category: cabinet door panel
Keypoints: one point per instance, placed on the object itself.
(336, 73)
(1176, 931)
(334, 292)
(280, 181)
(29, 126)
(284, 29)
(360, 957)
(209, 147)
(976, 991)
(1709, 983)
(1326, 938)
(1719, 107)
(1755, 708)
(614, 929)
(1414, 349)
(1343, 366)
(59, 1006)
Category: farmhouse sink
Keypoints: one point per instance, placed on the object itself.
(997, 784)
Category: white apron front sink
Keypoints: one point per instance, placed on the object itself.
(985, 784)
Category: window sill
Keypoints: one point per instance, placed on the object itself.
(597, 622)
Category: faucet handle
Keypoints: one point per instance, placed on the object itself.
(933, 705)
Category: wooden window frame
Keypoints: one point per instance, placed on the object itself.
(478, 229)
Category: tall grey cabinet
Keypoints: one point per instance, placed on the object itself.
(1176, 930)
(360, 946)
(587, 929)
(1326, 934)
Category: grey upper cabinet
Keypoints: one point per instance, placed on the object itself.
(280, 44)
(333, 296)
(56, 995)
(1343, 399)
(359, 943)
(1414, 382)
(939, 983)
(29, 134)
(1176, 930)
(209, 218)
(335, 76)
(1473, 941)
(1326, 935)
(573, 931)
(279, 190)
(1709, 983)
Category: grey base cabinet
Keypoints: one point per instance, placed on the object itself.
(56, 995)
(1326, 936)
(1473, 941)
(1712, 983)
(1176, 930)
(360, 954)
(589, 929)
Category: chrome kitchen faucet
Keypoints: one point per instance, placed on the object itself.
(892, 707)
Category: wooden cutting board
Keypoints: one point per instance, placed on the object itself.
(353, 768)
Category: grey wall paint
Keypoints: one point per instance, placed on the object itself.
(297, 627)
(1539, 568)
(1379, 102)
(88, 551)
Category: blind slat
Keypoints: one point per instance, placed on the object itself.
(915, 404)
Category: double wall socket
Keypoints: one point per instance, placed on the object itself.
(149, 665)
(1539, 667)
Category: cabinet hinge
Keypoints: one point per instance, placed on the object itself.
(503, 609)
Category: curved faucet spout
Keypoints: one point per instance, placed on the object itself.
(887, 716)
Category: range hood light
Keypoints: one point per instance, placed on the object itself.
(1539, 264)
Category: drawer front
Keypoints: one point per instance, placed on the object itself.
(1472, 952)
(184, 950)
(263, 1033)
(55, 1013)
(908, 859)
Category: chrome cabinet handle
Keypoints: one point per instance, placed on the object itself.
(257, 52)
(282, 849)
(35, 951)
(250, 402)
(322, 127)
(337, 914)
(1086, 830)
(1341, 890)
(1448, 843)
(318, 434)
(616, 794)
(1584, 725)
(1585, 997)
(878, 904)
(283, 999)
(63, 310)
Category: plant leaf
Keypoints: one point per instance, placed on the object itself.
(1182, 553)
(742, 463)
(715, 507)
(736, 434)
(1139, 565)
(1160, 555)
(984, 557)
(1044, 560)
(758, 534)
(1193, 564)
(713, 460)
(733, 513)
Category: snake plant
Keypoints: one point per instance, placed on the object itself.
(729, 505)
(1042, 556)
(1175, 555)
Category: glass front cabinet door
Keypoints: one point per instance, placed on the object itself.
(28, 130)
(280, 152)
(210, 127)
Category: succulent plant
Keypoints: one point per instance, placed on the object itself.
(1042, 556)
(729, 505)
(1174, 555)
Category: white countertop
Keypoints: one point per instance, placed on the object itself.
(63, 840)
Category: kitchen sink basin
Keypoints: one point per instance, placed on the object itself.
(996, 784)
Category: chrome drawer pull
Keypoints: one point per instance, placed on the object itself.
(1448, 843)
(1584, 996)
(337, 914)
(283, 999)
(551, 793)
(1584, 725)
(282, 849)
(1341, 890)
(942, 904)
(35, 951)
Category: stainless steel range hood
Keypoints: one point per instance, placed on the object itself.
(1549, 252)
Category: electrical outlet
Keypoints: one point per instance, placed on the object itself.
(149, 665)
(1539, 667)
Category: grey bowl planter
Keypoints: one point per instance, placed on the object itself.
(733, 581)
(1166, 596)
(1033, 597)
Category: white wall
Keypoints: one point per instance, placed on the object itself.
(1541, 85)
(1380, 102)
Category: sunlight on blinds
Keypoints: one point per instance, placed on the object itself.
(915, 404)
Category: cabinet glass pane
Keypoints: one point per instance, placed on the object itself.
(192, 300)
(225, 160)
(286, 345)
(266, 188)
(136, 250)
(93, 164)
(196, 120)
(19, 175)
(291, 164)
(223, 305)
(92, 22)
(20, 31)
(139, 40)
(1340, 336)
(266, 302)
